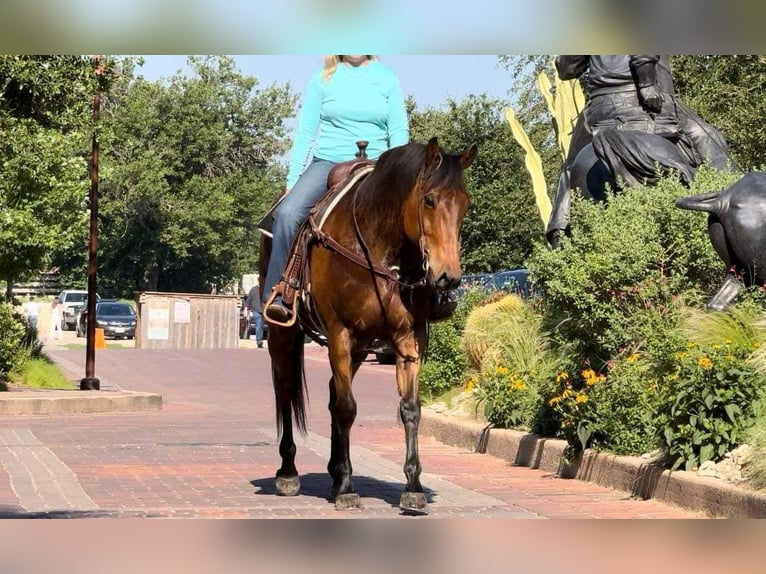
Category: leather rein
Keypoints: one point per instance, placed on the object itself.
(389, 274)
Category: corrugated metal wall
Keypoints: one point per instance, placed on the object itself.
(187, 321)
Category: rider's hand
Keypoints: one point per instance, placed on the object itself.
(651, 99)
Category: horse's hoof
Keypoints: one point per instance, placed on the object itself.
(348, 501)
(288, 486)
(413, 503)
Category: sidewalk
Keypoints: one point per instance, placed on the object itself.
(210, 451)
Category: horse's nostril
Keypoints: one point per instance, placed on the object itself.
(445, 282)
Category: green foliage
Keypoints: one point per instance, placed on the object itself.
(755, 437)
(510, 399)
(511, 353)
(707, 403)
(188, 167)
(612, 411)
(45, 113)
(12, 332)
(445, 363)
(40, 373)
(637, 252)
(728, 91)
(497, 182)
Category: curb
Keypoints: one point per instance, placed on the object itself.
(49, 402)
(630, 474)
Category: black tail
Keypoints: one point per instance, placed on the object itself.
(295, 388)
(707, 202)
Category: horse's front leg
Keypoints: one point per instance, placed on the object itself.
(343, 413)
(413, 500)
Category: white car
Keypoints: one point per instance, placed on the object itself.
(72, 302)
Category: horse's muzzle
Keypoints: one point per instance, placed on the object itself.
(446, 283)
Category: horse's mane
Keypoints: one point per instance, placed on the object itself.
(394, 176)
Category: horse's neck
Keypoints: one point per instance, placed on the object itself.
(378, 220)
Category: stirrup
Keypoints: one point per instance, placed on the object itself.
(269, 302)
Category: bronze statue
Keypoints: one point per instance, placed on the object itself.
(633, 122)
(737, 229)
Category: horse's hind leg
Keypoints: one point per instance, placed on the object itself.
(286, 350)
(413, 499)
(342, 407)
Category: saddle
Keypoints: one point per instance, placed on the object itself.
(295, 281)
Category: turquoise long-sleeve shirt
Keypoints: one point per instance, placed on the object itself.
(357, 103)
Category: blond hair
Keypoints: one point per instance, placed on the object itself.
(331, 64)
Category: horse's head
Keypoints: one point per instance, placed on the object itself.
(433, 214)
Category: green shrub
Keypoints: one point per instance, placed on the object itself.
(633, 252)
(12, 333)
(708, 403)
(514, 360)
(445, 363)
(510, 399)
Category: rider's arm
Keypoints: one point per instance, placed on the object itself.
(308, 125)
(571, 67)
(649, 93)
(398, 125)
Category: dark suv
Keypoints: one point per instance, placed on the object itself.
(117, 319)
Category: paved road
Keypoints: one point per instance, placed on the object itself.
(212, 451)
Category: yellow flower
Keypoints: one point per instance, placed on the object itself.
(632, 358)
(705, 363)
(517, 385)
(562, 376)
(581, 398)
(501, 370)
(554, 401)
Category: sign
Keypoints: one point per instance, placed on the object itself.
(182, 312)
(159, 320)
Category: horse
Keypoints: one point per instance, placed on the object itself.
(385, 250)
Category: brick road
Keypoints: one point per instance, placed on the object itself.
(212, 452)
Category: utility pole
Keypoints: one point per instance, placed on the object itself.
(90, 382)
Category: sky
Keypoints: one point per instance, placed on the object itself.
(431, 80)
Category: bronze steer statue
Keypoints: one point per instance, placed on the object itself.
(737, 229)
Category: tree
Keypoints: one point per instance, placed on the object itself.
(501, 224)
(45, 122)
(192, 165)
(730, 93)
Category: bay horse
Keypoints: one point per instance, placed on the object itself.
(403, 224)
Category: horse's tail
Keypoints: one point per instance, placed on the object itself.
(708, 202)
(294, 389)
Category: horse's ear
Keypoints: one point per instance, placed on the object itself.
(468, 156)
(433, 156)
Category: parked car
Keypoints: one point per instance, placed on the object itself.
(72, 301)
(117, 319)
(515, 281)
(471, 281)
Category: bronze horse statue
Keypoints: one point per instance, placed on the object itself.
(387, 248)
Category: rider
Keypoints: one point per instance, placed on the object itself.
(633, 93)
(351, 98)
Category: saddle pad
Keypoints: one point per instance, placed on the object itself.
(328, 202)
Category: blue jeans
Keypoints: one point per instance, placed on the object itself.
(289, 215)
(258, 321)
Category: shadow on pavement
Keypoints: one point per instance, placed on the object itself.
(319, 485)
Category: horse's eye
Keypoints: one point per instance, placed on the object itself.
(430, 201)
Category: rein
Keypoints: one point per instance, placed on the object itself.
(366, 262)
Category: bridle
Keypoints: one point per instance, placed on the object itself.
(391, 275)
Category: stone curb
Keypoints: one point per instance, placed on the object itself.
(630, 474)
(49, 402)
